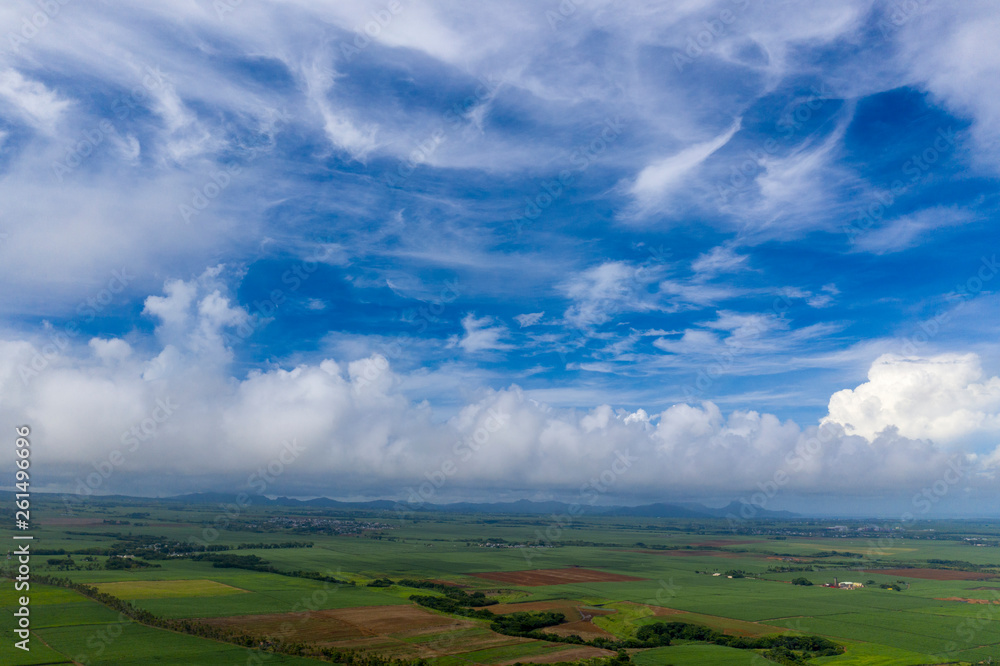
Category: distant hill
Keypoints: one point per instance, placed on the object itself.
(660, 510)
(733, 508)
(519, 507)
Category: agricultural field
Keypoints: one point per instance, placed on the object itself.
(126, 581)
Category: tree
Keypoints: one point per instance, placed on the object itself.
(801, 580)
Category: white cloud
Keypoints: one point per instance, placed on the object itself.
(315, 304)
(174, 309)
(944, 398)
(601, 292)
(661, 178)
(71, 237)
(952, 51)
(480, 335)
(720, 259)
(358, 433)
(333, 254)
(799, 189)
(638, 416)
(907, 231)
(196, 315)
(529, 318)
(698, 293)
(691, 342)
(824, 299)
(435, 30)
(742, 326)
(745, 333)
(342, 132)
(110, 350)
(740, 344)
(33, 101)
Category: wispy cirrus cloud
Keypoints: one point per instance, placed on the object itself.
(32, 101)
(719, 260)
(529, 318)
(482, 334)
(656, 182)
(600, 292)
(901, 233)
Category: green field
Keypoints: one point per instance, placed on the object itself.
(68, 627)
(331, 580)
(696, 655)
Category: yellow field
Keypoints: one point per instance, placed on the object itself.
(869, 654)
(167, 589)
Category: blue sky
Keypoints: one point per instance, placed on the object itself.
(699, 230)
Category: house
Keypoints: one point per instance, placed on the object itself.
(843, 585)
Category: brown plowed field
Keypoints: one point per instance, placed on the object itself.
(343, 623)
(585, 629)
(578, 619)
(538, 577)
(388, 630)
(968, 601)
(449, 583)
(933, 574)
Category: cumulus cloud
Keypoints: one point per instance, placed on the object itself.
(944, 398)
(195, 426)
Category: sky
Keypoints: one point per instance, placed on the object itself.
(596, 251)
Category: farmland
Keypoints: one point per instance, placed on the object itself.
(127, 581)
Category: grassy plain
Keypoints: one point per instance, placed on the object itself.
(334, 578)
